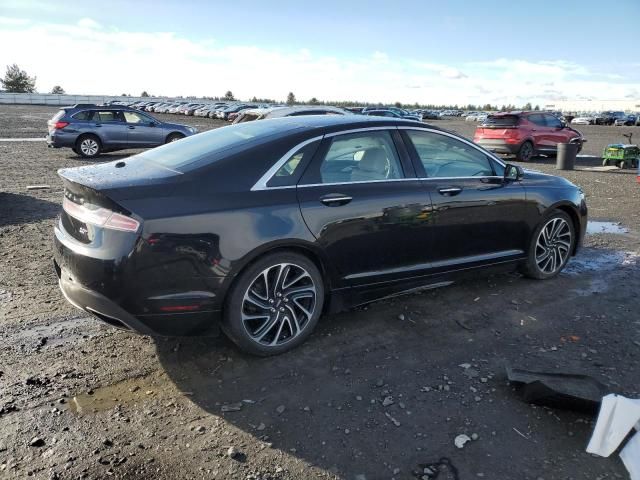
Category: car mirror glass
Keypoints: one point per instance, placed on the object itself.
(513, 173)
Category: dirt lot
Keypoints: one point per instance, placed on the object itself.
(82, 400)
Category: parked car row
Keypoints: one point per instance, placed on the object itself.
(617, 118)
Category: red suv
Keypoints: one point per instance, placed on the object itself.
(525, 134)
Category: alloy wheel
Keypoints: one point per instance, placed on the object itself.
(278, 304)
(89, 147)
(553, 245)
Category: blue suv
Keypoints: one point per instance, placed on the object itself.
(93, 129)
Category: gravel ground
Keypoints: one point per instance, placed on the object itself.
(374, 393)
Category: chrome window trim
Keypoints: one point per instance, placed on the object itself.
(358, 130)
(462, 139)
(261, 184)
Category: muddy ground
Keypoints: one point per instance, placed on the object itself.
(83, 400)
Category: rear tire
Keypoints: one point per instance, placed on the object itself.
(550, 246)
(275, 304)
(525, 153)
(174, 137)
(88, 146)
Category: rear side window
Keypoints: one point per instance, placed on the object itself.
(501, 121)
(290, 172)
(58, 115)
(108, 116)
(83, 116)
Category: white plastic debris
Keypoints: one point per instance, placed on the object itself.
(460, 440)
(618, 416)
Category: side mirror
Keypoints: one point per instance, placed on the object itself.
(153, 124)
(513, 173)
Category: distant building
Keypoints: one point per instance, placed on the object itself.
(629, 105)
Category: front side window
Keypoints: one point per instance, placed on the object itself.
(444, 156)
(361, 157)
(553, 121)
(133, 117)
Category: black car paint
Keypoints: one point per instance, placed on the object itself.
(202, 227)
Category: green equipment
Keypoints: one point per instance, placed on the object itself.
(621, 154)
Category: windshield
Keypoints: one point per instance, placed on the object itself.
(183, 154)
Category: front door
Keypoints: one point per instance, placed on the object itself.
(478, 218)
(367, 212)
(143, 131)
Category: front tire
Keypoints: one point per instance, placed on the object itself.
(88, 146)
(174, 137)
(525, 153)
(275, 304)
(551, 245)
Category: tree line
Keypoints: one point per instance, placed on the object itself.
(17, 80)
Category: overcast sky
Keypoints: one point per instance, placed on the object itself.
(409, 51)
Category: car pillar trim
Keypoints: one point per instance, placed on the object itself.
(261, 184)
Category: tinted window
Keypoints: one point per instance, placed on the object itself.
(501, 121)
(83, 116)
(361, 157)
(289, 173)
(444, 156)
(553, 121)
(108, 116)
(538, 119)
(190, 150)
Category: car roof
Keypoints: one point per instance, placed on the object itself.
(323, 124)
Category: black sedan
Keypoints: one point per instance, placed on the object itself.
(260, 227)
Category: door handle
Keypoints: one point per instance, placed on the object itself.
(131, 127)
(98, 125)
(335, 199)
(449, 191)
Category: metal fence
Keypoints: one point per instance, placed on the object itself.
(50, 99)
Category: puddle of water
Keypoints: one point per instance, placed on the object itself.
(605, 227)
(57, 332)
(593, 260)
(128, 392)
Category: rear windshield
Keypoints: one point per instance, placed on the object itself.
(188, 152)
(501, 121)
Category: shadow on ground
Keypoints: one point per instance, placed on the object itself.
(16, 209)
(323, 402)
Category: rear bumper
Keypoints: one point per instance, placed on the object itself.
(57, 139)
(108, 311)
(498, 146)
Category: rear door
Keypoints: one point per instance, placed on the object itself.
(478, 218)
(110, 127)
(368, 212)
(143, 130)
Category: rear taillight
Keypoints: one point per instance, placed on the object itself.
(100, 217)
(60, 125)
